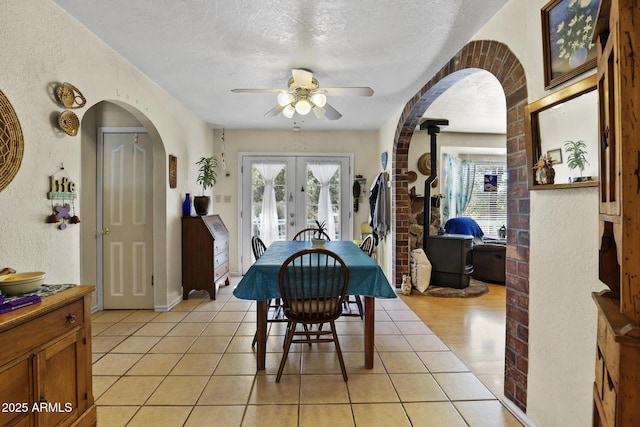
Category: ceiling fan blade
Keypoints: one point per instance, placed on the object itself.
(302, 77)
(275, 110)
(348, 91)
(319, 111)
(256, 90)
(331, 113)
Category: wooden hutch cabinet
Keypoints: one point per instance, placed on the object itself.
(45, 362)
(617, 380)
(205, 254)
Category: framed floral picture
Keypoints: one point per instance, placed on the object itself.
(567, 30)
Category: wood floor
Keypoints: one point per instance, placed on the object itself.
(473, 328)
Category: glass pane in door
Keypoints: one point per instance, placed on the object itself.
(323, 197)
(269, 225)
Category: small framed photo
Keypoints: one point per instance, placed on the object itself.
(491, 183)
(555, 156)
(173, 171)
(567, 30)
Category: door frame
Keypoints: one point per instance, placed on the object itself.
(347, 230)
(101, 130)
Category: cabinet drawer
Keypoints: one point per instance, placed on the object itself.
(220, 245)
(220, 259)
(41, 330)
(220, 272)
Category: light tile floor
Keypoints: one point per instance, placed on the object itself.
(194, 366)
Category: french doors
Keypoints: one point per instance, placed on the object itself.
(125, 218)
(282, 194)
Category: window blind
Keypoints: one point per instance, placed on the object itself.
(488, 208)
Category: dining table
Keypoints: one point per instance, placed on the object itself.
(366, 278)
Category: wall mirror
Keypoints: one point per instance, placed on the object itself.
(557, 123)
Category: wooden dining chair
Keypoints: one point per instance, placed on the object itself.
(257, 246)
(274, 307)
(367, 246)
(313, 283)
(308, 233)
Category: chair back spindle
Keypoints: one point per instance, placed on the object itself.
(307, 233)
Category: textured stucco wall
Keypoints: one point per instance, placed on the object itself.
(41, 46)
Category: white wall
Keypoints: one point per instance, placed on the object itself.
(563, 259)
(40, 47)
(562, 316)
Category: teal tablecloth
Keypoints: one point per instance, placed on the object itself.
(365, 276)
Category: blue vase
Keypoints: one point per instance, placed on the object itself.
(186, 205)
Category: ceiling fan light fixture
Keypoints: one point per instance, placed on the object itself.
(288, 111)
(319, 99)
(303, 107)
(284, 98)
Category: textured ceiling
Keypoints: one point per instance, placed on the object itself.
(198, 50)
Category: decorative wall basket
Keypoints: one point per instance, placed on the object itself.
(69, 96)
(11, 142)
(69, 122)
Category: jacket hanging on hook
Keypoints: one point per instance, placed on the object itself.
(379, 206)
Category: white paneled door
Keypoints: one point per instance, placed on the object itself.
(282, 194)
(126, 221)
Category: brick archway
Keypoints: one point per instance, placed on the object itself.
(497, 59)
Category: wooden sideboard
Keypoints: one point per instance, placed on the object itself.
(616, 392)
(45, 362)
(205, 254)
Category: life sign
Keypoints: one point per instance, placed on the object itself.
(62, 185)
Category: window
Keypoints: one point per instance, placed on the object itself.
(488, 208)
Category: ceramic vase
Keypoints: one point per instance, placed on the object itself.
(186, 205)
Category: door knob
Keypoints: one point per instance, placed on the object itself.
(106, 231)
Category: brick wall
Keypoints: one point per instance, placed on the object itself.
(499, 60)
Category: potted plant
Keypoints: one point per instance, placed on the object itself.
(577, 156)
(207, 178)
(317, 238)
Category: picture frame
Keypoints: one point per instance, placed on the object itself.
(173, 171)
(567, 30)
(555, 156)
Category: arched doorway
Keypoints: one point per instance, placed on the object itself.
(497, 59)
(119, 114)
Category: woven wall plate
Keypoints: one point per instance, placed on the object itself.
(11, 142)
(424, 164)
(68, 122)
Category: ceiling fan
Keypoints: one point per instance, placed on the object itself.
(304, 95)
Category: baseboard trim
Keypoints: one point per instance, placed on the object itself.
(517, 412)
(169, 306)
